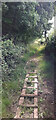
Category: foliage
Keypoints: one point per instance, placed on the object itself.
(11, 55)
(55, 8)
(25, 21)
(13, 73)
(51, 45)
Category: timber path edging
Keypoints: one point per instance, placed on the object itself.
(34, 95)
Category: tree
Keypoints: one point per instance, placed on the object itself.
(26, 20)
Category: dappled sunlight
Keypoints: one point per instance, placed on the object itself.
(41, 47)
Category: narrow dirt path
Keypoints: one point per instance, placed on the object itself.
(28, 102)
(43, 98)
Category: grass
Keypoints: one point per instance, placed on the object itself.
(46, 68)
(30, 91)
(32, 65)
(25, 110)
(30, 79)
(12, 89)
(15, 84)
(32, 74)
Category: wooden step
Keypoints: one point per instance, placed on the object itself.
(29, 105)
(26, 79)
(32, 81)
(28, 95)
(30, 87)
(35, 113)
(27, 75)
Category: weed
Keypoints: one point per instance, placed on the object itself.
(32, 74)
(30, 91)
(31, 110)
(33, 65)
(30, 79)
(41, 99)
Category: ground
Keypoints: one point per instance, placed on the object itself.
(45, 91)
(45, 72)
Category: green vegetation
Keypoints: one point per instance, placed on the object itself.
(26, 111)
(24, 49)
(30, 91)
(24, 21)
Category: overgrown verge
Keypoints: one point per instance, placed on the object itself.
(14, 59)
(13, 75)
(45, 71)
(46, 87)
(46, 82)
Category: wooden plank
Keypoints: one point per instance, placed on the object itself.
(28, 95)
(35, 112)
(35, 95)
(34, 81)
(36, 100)
(35, 92)
(18, 113)
(23, 91)
(33, 76)
(27, 75)
(29, 105)
(26, 79)
(29, 87)
(21, 100)
(24, 85)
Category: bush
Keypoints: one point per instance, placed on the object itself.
(13, 73)
(51, 45)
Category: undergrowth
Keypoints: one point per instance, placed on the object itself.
(12, 87)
